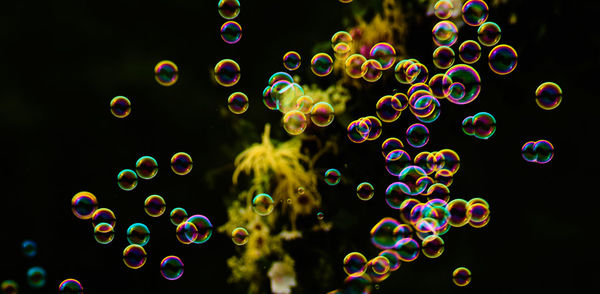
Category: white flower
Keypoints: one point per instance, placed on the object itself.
(282, 278)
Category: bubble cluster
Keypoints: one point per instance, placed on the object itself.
(120, 106)
(204, 227)
(481, 125)
(186, 232)
(540, 151)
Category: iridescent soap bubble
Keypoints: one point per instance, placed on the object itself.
(104, 233)
(475, 12)
(544, 151)
(469, 79)
(104, 215)
(231, 32)
(304, 104)
(417, 135)
(355, 263)
(444, 176)
(484, 125)
(458, 212)
(388, 108)
(358, 130)
(127, 179)
(166, 73)
(408, 249)
(280, 76)
(134, 256)
(320, 215)
(322, 114)
(451, 160)
(380, 265)
(443, 57)
(186, 232)
(332, 177)
(438, 191)
(432, 246)
(391, 144)
(469, 51)
(382, 233)
(29, 248)
(372, 70)
(229, 9)
(365, 191)
(353, 66)
(443, 9)
(395, 194)
(294, 122)
(461, 276)
(178, 215)
(375, 127)
(396, 161)
(445, 33)
(9, 287)
(83, 205)
(204, 226)
(36, 277)
(138, 234)
(70, 286)
(419, 71)
(341, 37)
(237, 102)
(384, 53)
(489, 34)
(478, 212)
(415, 178)
(155, 205)
(263, 204)
(291, 60)
(146, 167)
(321, 64)
(227, 73)
(502, 59)
(240, 236)
(440, 85)
(181, 163)
(401, 74)
(548, 96)
(120, 106)
(171, 267)
(393, 257)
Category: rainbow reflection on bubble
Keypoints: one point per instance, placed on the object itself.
(461, 276)
(445, 33)
(548, 96)
(355, 263)
(475, 12)
(70, 286)
(134, 256)
(229, 9)
(237, 102)
(138, 234)
(227, 73)
(146, 167)
(171, 267)
(383, 233)
(321, 64)
(502, 59)
(120, 106)
(231, 32)
(291, 60)
(83, 205)
(166, 73)
(181, 163)
(127, 179)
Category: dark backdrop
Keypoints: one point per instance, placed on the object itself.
(63, 62)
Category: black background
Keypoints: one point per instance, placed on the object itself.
(63, 62)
